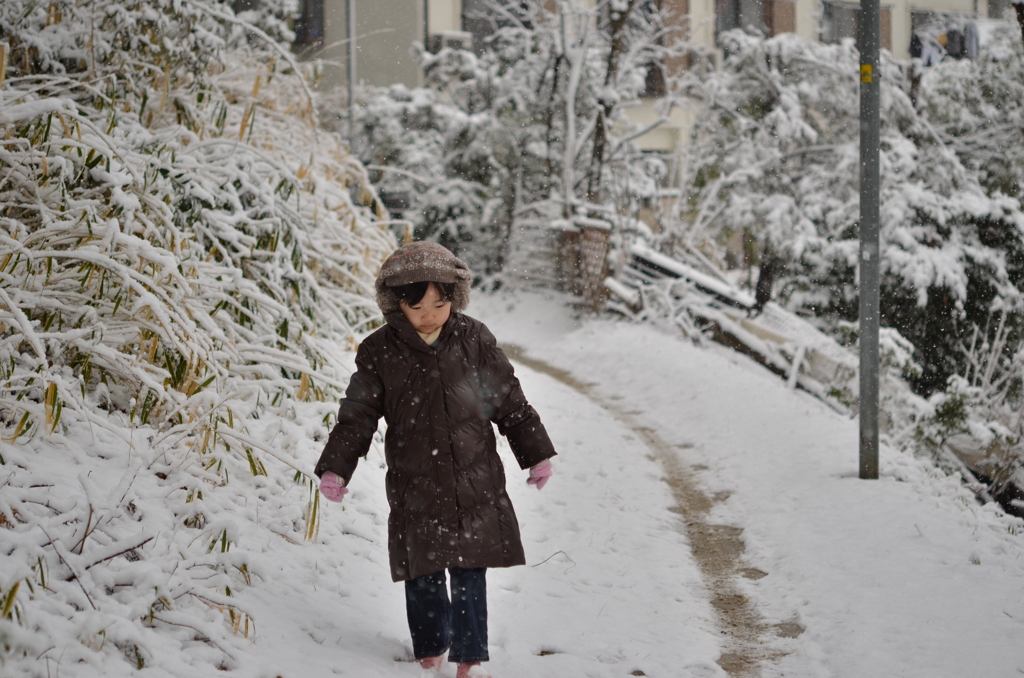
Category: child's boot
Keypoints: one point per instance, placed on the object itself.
(471, 671)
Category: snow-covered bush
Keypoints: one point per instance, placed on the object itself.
(180, 255)
(980, 412)
(776, 152)
(423, 148)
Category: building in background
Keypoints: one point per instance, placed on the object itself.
(385, 33)
(386, 30)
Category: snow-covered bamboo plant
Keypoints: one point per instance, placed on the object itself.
(182, 252)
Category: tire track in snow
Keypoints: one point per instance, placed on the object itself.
(717, 549)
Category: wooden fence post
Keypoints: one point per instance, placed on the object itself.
(594, 236)
(567, 256)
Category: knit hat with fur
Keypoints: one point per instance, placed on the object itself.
(422, 262)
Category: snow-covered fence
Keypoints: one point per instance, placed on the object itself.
(699, 303)
(972, 429)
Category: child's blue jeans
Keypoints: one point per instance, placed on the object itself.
(438, 624)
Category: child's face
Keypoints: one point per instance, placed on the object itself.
(429, 314)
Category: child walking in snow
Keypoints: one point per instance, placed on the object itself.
(439, 380)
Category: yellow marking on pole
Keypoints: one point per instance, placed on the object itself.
(866, 72)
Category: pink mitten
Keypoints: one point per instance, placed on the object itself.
(539, 474)
(332, 486)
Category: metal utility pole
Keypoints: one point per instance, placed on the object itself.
(350, 21)
(869, 218)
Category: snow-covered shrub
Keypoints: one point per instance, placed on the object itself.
(951, 413)
(442, 159)
(980, 412)
(776, 152)
(180, 255)
(899, 407)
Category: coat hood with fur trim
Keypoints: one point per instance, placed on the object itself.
(422, 262)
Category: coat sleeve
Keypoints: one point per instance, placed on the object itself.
(507, 407)
(361, 408)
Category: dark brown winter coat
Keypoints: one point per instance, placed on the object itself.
(445, 481)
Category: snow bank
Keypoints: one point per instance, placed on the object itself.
(185, 259)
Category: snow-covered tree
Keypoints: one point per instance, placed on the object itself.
(180, 254)
(776, 152)
(977, 107)
(531, 130)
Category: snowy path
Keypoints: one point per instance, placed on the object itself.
(610, 589)
(905, 576)
(819, 574)
(717, 549)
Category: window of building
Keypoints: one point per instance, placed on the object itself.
(654, 83)
(997, 9)
(840, 20)
(673, 15)
(309, 24)
(479, 21)
(745, 14)
(934, 35)
(482, 18)
(769, 17)
(449, 39)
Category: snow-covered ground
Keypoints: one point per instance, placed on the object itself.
(904, 576)
(610, 587)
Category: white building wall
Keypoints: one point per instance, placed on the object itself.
(444, 15)
(702, 22)
(385, 32)
(807, 17)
